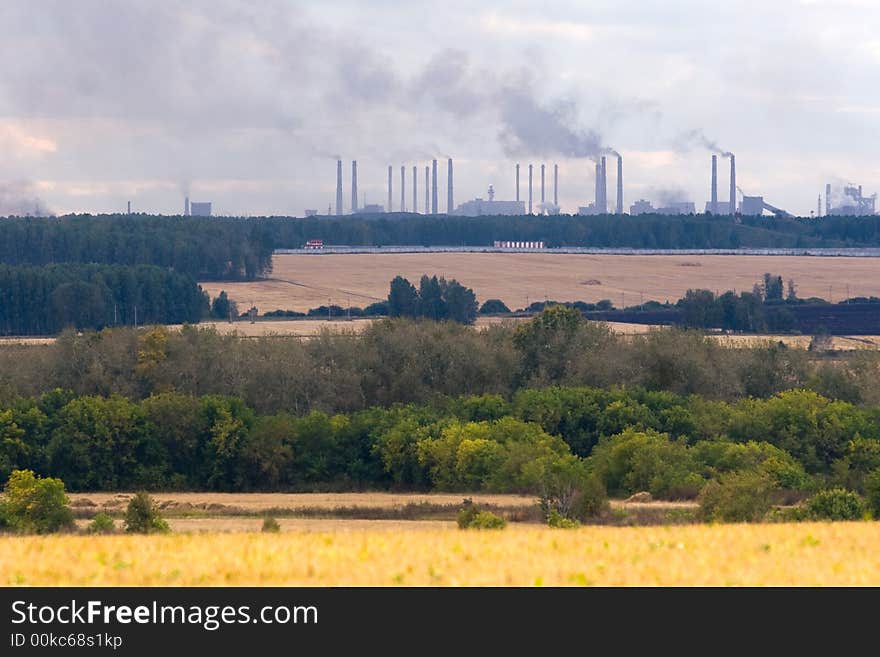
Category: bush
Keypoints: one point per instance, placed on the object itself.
(835, 504)
(142, 516)
(872, 492)
(739, 496)
(467, 513)
(559, 521)
(470, 517)
(32, 504)
(487, 520)
(569, 490)
(270, 525)
(494, 307)
(102, 523)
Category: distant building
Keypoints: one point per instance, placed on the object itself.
(752, 206)
(723, 207)
(371, 208)
(481, 208)
(641, 207)
(683, 207)
(590, 209)
(505, 244)
(200, 209)
(311, 213)
(852, 203)
(314, 244)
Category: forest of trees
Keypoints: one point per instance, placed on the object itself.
(405, 361)
(641, 231)
(45, 300)
(631, 439)
(203, 248)
(225, 248)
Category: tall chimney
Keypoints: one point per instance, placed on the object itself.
(530, 189)
(604, 198)
(449, 203)
(713, 204)
(402, 188)
(186, 206)
(819, 206)
(619, 184)
(517, 182)
(598, 185)
(338, 187)
(427, 190)
(129, 207)
(415, 189)
(433, 186)
(827, 199)
(542, 186)
(354, 186)
(732, 184)
(389, 188)
(556, 185)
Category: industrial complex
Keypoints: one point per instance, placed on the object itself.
(849, 200)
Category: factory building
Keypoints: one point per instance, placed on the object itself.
(200, 209)
(682, 207)
(722, 207)
(479, 207)
(852, 203)
(641, 207)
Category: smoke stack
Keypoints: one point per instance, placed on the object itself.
(619, 184)
(129, 207)
(403, 188)
(186, 206)
(517, 182)
(427, 190)
(542, 185)
(354, 186)
(415, 189)
(598, 184)
(433, 186)
(390, 209)
(819, 206)
(827, 199)
(714, 191)
(530, 189)
(604, 188)
(338, 187)
(556, 185)
(732, 184)
(449, 204)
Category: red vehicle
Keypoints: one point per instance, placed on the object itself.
(314, 244)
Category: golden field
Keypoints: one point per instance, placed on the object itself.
(808, 554)
(300, 282)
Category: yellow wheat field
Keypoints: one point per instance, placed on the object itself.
(797, 554)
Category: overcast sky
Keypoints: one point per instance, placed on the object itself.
(248, 103)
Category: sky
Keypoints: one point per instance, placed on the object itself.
(249, 103)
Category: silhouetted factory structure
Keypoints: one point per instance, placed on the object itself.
(846, 201)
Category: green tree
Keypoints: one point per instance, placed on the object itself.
(403, 299)
(223, 307)
(494, 307)
(461, 302)
(142, 516)
(431, 302)
(32, 504)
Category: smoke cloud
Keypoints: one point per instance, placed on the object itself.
(697, 139)
(19, 198)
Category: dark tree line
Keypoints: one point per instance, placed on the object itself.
(45, 300)
(436, 299)
(205, 249)
(642, 231)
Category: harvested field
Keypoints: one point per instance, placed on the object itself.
(808, 554)
(300, 282)
(260, 502)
